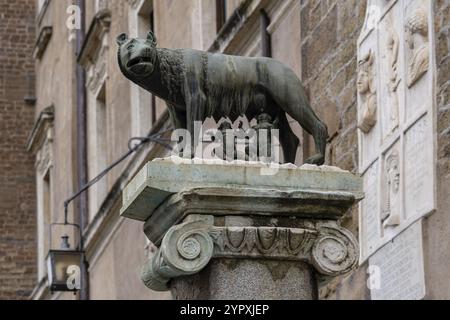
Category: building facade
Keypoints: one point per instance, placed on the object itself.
(17, 183)
(86, 112)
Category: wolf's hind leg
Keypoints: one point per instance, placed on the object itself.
(289, 141)
(298, 107)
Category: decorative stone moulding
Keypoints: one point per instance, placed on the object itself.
(308, 184)
(187, 248)
(197, 212)
(41, 43)
(94, 42)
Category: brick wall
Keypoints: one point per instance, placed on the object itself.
(330, 29)
(442, 27)
(437, 226)
(17, 183)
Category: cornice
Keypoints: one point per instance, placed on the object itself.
(93, 41)
(38, 133)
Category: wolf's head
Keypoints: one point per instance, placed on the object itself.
(137, 57)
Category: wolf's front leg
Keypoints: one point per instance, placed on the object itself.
(195, 117)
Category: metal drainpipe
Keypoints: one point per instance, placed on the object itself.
(82, 146)
(266, 46)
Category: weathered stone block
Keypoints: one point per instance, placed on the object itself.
(165, 177)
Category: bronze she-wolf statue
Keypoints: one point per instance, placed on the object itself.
(197, 85)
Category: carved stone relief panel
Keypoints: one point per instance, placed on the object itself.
(392, 66)
(417, 55)
(367, 92)
(368, 99)
(416, 29)
(370, 227)
(419, 169)
(396, 147)
(400, 267)
(391, 197)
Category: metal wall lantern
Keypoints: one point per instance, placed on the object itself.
(67, 269)
(64, 266)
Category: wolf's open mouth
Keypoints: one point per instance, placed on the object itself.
(138, 60)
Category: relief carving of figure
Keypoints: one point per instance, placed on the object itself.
(391, 210)
(394, 79)
(417, 40)
(367, 91)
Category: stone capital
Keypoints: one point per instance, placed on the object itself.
(197, 217)
(188, 248)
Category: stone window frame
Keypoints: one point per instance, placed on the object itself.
(42, 42)
(97, 145)
(238, 23)
(94, 57)
(40, 144)
(244, 20)
(138, 96)
(44, 28)
(142, 104)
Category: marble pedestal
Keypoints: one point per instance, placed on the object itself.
(241, 230)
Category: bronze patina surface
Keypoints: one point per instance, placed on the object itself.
(197, 85)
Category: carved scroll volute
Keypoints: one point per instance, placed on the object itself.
(335, 251)
(185, 250)
(367, 91)
(188, 248)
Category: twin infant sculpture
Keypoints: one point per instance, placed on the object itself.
(197, 85)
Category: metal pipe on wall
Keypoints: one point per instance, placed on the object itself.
(266, 45)
(82, 144)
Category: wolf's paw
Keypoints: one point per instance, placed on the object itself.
(317, 159)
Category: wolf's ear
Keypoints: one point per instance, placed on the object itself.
(152, 38)
(122, 38)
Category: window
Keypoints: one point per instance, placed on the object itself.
(143, 104)
(98, 133)
(101, 129)
(221, 13)
(145, 18)
(146, 21)
(40, 144)
(44, 189)
(95, 59)
(46, 206)
(153, 103)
